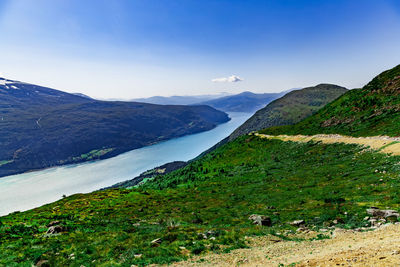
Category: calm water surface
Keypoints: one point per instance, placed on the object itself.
(29, 190)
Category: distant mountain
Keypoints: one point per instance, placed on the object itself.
(42, 127)
(179, 100)
(243, 102)
(291, 108)
(370, 111)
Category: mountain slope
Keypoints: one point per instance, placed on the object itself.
(41, 127)
(243, 102)
(291, 108)
(372, 110)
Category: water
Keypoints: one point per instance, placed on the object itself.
(29, 190)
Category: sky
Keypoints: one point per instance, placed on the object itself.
(139, 48)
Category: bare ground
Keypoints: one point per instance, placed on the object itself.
(384, 144)
(346, 248)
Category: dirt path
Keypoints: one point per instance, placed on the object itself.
(346, 248)
(384, 144)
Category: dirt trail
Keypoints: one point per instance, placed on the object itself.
(384, 144)
(346, 248)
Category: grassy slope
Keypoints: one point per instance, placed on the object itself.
(372, 110)
(217, 192)
(291, 108)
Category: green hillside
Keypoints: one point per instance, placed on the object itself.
(370, 111)
(205, 206)
(291, 108)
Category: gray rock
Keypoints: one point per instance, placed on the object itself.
(56, 229)
(378, 213)
(156, 242)
(297, 222)
(260, 220)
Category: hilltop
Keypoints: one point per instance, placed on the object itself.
(42, 127)
(290, 108)
(369, 111)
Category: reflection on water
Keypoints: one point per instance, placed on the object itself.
(29, 190)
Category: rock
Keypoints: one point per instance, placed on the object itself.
(297, 223)
(260, 220)
(156, 242)
(375, 212)
(56, 229)
(42, 263)
(137, 256)
(53, 223)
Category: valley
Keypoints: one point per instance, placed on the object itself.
(30, 190)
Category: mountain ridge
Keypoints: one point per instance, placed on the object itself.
(41, 127)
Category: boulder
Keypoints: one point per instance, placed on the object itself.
(378, 213)
(297, 223)
(260, 220)
(156, 242)
(56, 229)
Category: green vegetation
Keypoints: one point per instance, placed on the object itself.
(291, 108)
(370, 111)
(4, 162)
(94, 154)
(211, 197)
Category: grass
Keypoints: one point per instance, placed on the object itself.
(4, 162)
(94, 154)
(212, 196)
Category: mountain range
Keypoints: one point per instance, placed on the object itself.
(179, 100)
(42, 127)
(243, 102)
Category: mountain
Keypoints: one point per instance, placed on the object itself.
(291, 108)
(178, 100)
(243, 102)
(42, 127)
(251, 191)
(372, 110)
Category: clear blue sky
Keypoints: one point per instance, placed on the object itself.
(136, 48)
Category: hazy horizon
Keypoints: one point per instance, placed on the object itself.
(134, 49)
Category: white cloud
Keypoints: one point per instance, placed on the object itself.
(230, 79)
